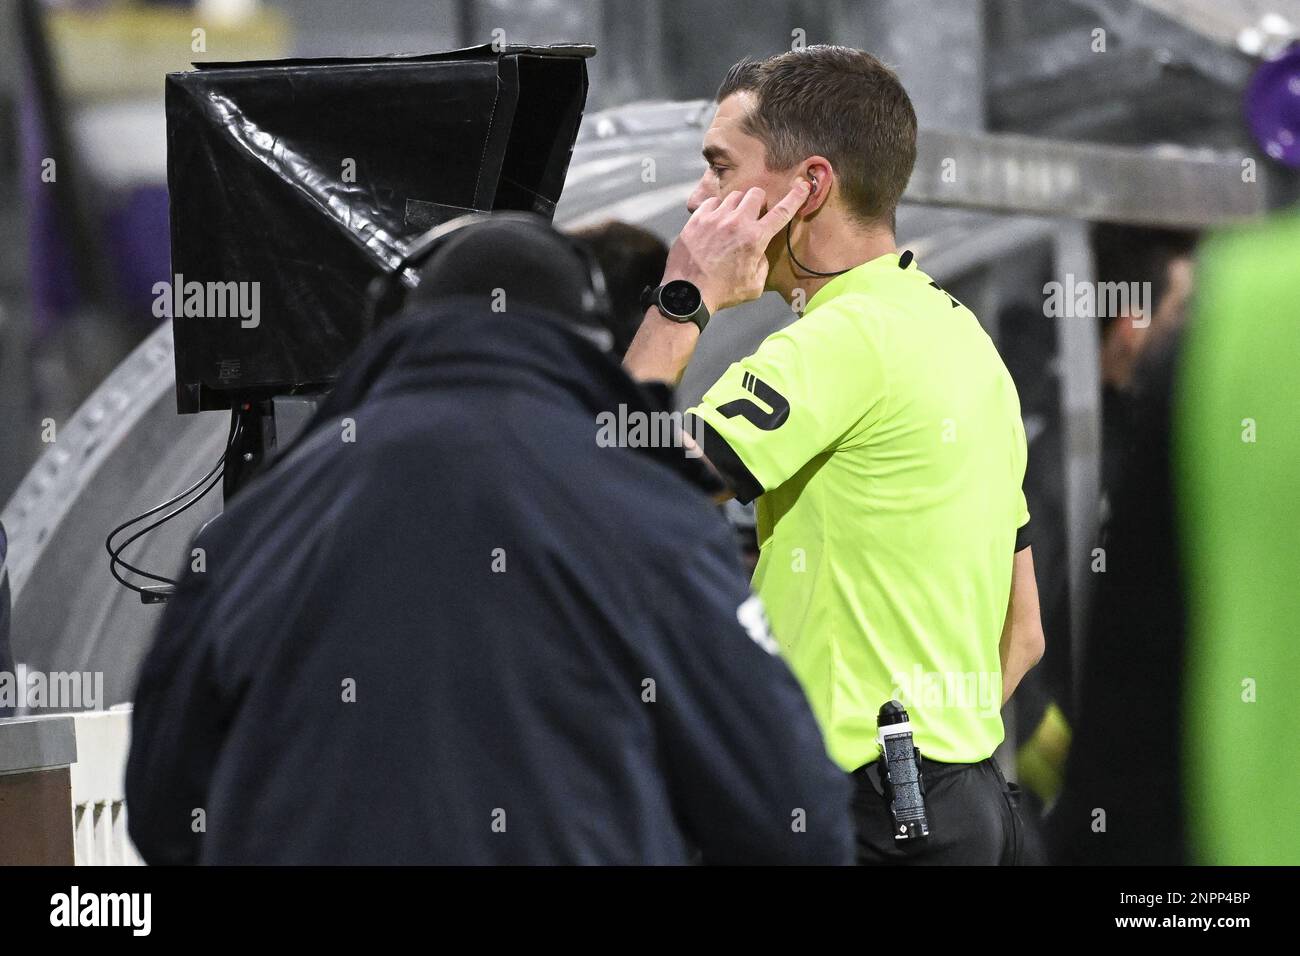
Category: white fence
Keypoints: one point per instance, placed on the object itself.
(65, 770)
(98, 789)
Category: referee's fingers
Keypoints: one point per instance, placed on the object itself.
(780, 214)
(733, 199)
(751, 204)
(706, 207)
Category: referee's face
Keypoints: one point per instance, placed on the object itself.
(736, 160)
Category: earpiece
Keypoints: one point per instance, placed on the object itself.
(789, 247)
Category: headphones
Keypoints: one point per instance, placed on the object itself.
(388, 293)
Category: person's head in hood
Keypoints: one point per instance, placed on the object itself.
(518, 262)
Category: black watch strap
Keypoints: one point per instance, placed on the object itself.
(655, 297)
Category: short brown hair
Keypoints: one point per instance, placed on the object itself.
(838, 102)
(630, 259)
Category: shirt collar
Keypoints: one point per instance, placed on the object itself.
(855, 278)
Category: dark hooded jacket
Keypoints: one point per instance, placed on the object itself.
(448, 626)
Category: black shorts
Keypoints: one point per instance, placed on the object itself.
(973, 813)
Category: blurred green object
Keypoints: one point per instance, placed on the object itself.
(125, 49)
(1040, 761)
(1237, 437)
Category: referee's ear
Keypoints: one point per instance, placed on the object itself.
(820, 174)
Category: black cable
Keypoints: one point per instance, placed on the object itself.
(214, 474)
(108, 542)
(114, 553)
(112, 566)
(811, 272)
(117, 552)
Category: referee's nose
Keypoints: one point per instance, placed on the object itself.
(698, 195)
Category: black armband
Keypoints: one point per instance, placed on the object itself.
(1024, 537)
(724, 459)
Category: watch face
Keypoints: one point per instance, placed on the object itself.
(680, 298)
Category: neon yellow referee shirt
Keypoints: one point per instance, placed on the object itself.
(881, 435)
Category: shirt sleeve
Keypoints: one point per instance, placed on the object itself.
(1024, 534)
(810, 388)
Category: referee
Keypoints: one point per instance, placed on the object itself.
(880, 434)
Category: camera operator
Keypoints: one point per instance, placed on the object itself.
(449, 627)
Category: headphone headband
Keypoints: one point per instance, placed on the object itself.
(388, 293)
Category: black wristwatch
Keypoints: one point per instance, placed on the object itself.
(679, 300)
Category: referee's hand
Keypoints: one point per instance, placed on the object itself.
(723, 246)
